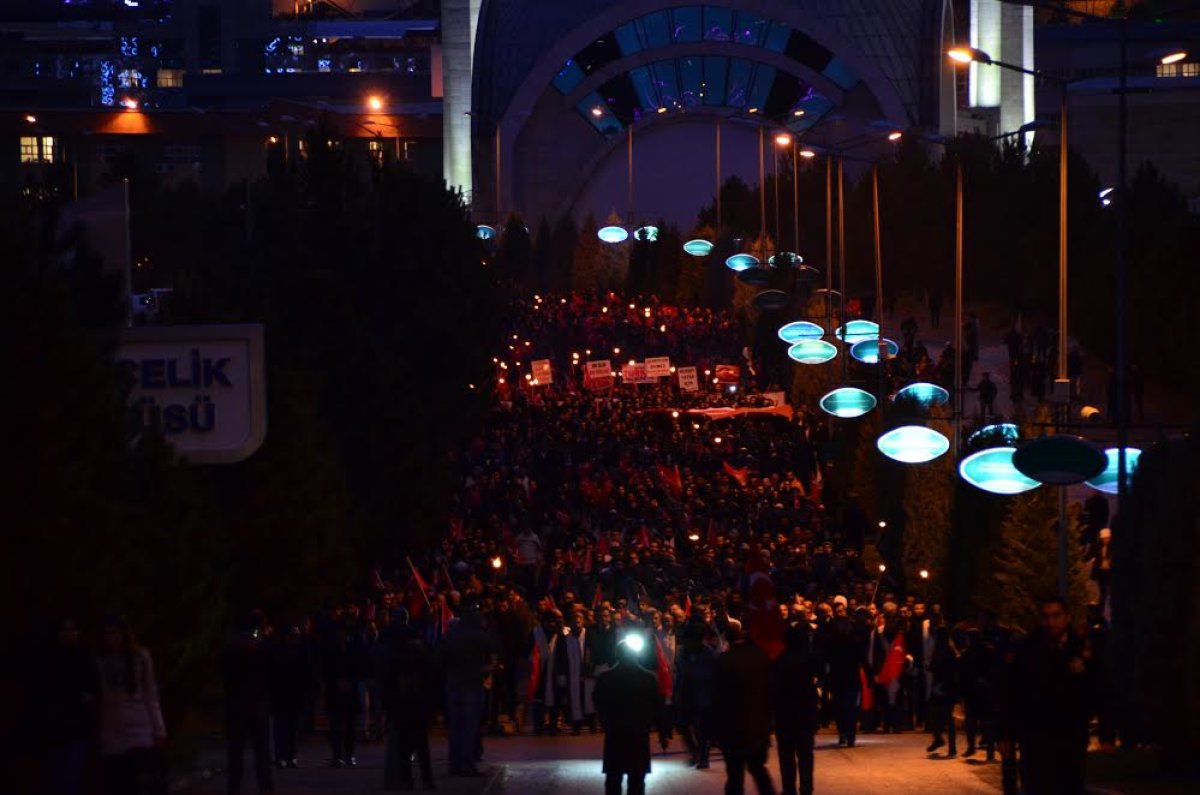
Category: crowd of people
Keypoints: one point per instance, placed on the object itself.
(615, 539)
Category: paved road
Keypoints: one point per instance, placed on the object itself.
(885, 764)
(891, 764)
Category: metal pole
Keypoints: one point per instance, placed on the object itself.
(762, 185)
(1122, 277)
(778, 226)
(795, 199)
(958, 306)
(878, 278)
(129, 256)
(1062, 542)
(499, 210)
(630, 176)
(718, 178)
(842, 259)
(1062, 238)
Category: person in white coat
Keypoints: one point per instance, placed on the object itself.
(131, 721)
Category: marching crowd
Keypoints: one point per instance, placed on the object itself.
(695, 548)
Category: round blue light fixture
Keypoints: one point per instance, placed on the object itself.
(785, 259)
(741, 262)
(812, 352)
(998, 434)
(912, 444)
(857, 331)
(1060, 460)
(647, 234)
(799, 331)
(992, 471)
(770, 300)
(1106, 481)
(924, 393)
(485, 232)
(847, 402)
(755, 277)
(698, 248)
(613, 234)
(867, 351)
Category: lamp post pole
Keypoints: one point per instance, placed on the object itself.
(958, 306)
(880, 362)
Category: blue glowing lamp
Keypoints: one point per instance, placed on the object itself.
(648, 234)
(812, 352)
(1106, 481)
(785, 259)
(912, 444)
(924, 393)
(755, 277)
(741, 262)
(1060, 460)
(998, 434)
(770, 300)
(857, 331)
(992, 471)
(613, 234)
(698, 248)
(867, 351)
(485, 232)
(799, 331)
(847, 402)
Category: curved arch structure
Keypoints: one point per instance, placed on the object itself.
(554, 83)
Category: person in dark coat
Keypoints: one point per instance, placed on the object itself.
(628, 703)
(246, 664)
(694, 679)
(406, 682)
(846, 662)
(288, 690)
(742, 712)
(344, 667)
(943, 691)
(795, 701)
(467, 657)
(70, 689)
(1045, 709)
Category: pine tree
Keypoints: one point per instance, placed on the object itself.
(928, 505)
(1024, 567)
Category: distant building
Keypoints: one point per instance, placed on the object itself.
(207, 88)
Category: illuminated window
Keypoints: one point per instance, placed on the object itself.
(37, 149)
(1177, 70)
(170, 78)
(129, 78)
(375, 149)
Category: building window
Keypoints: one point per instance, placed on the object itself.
(37, 149)
(181, 154)
(129, 78)
(170, 78)
(1177, 70)
(375, 149)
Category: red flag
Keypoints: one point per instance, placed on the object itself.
(893, 665)
(728, 373)
(535, 672)
(662, 668)
(551, 602)
(598, 597)
(671, 478)
(868, 692)
(687, 604)
(602, 545)
(420, 581)
(740, 475)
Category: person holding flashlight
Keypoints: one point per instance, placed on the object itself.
(629, 704)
